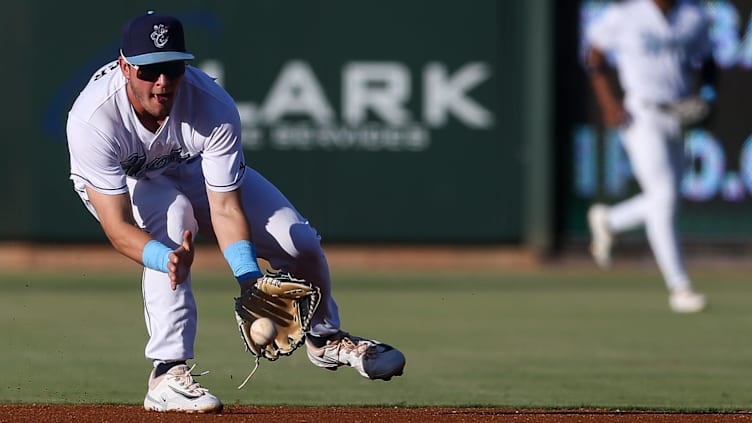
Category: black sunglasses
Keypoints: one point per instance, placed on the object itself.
(150, 73)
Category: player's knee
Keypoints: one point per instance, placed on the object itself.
(307, 242)
(665, 203)
(180, 217)
(294, 236)
(663, 194)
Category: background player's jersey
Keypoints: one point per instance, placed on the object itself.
(108, 143)
(654, 52)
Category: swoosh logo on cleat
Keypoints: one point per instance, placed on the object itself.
(185, 393)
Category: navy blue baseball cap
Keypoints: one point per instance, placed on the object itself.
(153, 38)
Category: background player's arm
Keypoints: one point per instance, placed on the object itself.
(115, 216)
(611, 106)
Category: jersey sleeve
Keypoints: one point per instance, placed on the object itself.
(93, 159)
(604, 31)
(222, 161)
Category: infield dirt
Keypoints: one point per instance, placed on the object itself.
(129, 414)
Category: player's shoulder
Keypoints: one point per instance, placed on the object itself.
(205, 88)
(633, 6)
(100, 92)
(620, 11)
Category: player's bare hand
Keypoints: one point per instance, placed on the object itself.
(181, 260)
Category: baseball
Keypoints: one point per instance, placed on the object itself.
(263, 331)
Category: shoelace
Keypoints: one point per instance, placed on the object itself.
(349, 345)
(186, 380)
(255, 367)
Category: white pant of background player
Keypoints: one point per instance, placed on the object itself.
(175, 201)
(654, 144)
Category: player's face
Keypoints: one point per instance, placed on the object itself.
(152, 88)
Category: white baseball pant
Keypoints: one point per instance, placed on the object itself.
(654, 144)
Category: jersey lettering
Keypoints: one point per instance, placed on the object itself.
(654, 45)
(135, 166)
(105, 70)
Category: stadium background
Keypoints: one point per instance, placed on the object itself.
(416, 122)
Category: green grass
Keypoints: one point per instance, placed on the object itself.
(555, 338)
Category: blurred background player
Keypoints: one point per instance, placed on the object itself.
(658, 46)
(156, 157)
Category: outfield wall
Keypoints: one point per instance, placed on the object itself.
(384, 122)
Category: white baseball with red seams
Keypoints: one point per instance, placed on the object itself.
(263, 331)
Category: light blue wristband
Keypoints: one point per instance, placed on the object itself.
(156, 256)
(241, 256)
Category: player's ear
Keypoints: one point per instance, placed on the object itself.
(123, 66)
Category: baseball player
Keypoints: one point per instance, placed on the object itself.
(156, 157)
(656, 45)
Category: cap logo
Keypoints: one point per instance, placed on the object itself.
(151, 38)
(160, 36)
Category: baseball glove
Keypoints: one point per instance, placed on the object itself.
(288, 302)
(690, 111)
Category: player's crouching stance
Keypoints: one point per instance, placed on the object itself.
(156, 157)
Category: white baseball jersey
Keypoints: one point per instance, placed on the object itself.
(654, 66)
(108, 143)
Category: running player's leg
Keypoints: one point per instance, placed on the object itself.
(630, 213)
(656, 154)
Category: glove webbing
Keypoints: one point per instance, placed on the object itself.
(259, 300)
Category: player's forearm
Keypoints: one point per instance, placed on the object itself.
(233, 235)
(230, 228)
(228, 218)
(234, 238)
(596, 66)
(604, 95)
(116, 218)
(128, 240)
